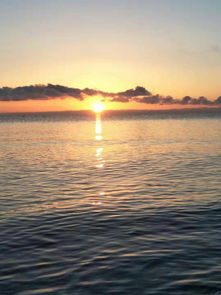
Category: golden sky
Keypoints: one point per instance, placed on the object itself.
(169, 47)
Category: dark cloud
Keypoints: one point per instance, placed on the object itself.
(202, 100)
(38, 92)
(152, 99)
(138, 94)
(138, 91)
(120, 99)
(186, 100)
(168, 100)
(218, 100)
(91, 92)
(50, 91)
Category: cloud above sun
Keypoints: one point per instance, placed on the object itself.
(138, 94)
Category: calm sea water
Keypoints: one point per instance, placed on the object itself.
(124, 204)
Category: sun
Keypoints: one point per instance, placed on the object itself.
(98, 107)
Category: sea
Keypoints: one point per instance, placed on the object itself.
(122, 202)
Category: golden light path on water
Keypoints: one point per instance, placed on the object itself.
(99, 165)
(99, 150)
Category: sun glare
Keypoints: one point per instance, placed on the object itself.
(98, 107)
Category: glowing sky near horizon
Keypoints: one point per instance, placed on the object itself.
(170, 47)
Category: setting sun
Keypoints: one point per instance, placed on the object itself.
(98, 107)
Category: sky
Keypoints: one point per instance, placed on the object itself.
(170, 47)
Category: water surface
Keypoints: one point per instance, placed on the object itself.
(124, 204)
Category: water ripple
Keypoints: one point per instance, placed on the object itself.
(137, 212)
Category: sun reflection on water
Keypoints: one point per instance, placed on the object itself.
(99, 151)
(98, 127)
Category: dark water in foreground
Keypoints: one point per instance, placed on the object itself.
(129, 204)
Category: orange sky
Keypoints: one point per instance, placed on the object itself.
(169, 47)
(67, 104)
(70, 104)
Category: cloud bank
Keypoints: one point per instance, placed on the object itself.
(138, 94)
